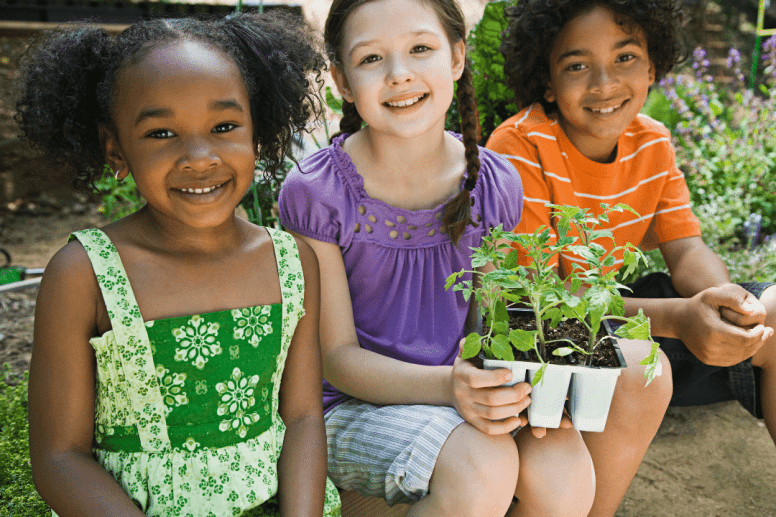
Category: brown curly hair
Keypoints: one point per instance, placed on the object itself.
(535, 24)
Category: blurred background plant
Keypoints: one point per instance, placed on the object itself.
(18, 496)
(725, 141)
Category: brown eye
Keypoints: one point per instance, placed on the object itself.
(224, 128)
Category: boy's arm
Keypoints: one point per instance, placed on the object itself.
(719, 322)
(302, 463)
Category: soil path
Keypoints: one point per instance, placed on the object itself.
(705, 461)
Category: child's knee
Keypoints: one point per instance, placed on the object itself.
(476, 472)
(556, 475)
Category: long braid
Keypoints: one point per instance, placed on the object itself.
(458, 211)
(351, 120)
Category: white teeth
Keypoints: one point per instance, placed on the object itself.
(200, 190)
(405, 103)
(606, 110)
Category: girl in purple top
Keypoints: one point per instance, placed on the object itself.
(391, 210)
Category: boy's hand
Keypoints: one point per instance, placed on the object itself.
(480, 399)
(723, 326)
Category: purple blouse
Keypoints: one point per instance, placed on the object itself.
(397, 261)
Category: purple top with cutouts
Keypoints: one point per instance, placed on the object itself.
(397, 261)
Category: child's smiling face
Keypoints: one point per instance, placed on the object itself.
(183, 128)
(398, 66)
(600, 74)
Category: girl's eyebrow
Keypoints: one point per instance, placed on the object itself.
(374, 41)
(219, 105)
(617, 46)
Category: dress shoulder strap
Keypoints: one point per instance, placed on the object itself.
(131, 336)
(292, 291)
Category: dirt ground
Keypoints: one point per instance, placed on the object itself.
(705, 462)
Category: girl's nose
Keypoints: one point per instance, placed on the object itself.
(399, 72)
(199, 154)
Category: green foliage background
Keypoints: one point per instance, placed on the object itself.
(18, 497)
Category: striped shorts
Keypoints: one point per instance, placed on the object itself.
(386, 451)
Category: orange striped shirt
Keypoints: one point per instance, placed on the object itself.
(644, 176)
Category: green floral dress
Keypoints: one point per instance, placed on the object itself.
(186, 414)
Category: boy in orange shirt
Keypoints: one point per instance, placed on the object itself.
(582, 71)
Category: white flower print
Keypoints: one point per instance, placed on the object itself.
(191, 444)
(171, 388)
(236, 399)
(198, 341)
(252, 324)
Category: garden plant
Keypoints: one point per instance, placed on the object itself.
(564, 342)
(553, 299)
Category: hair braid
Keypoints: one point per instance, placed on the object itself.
(457, 213)
(351, 120)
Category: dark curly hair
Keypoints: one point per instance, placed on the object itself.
(68, 75)
(535, 24)
(457, 214)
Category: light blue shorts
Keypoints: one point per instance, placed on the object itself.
(387, 451)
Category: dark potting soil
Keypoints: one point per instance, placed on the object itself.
(603, 356)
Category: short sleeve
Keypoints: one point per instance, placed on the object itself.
(674, 218)
(501, 191)
(313, 200)
(523, 155)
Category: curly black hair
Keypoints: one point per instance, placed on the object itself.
(535, 24)
(67, 82)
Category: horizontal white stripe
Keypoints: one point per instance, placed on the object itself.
(536, 133)
(627, 191)
(521, 159)
(536, 200)
(674, 209)
(559, 178)
(653, 142)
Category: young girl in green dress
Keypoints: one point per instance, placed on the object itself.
(176, 367)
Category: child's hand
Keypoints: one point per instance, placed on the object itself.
(723, 326)
(746, 312)
(479, 399)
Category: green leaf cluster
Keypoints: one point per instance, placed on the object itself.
(119, 198)
(551, 298)
(18, 497)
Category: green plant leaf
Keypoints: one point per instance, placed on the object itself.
(333, 102)
(539, 375)
(452, 278)
(510, 262)
(523, 340)
(500, 327)
(500, 313)
(501, 348)
(635, 327)
(471, 346)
